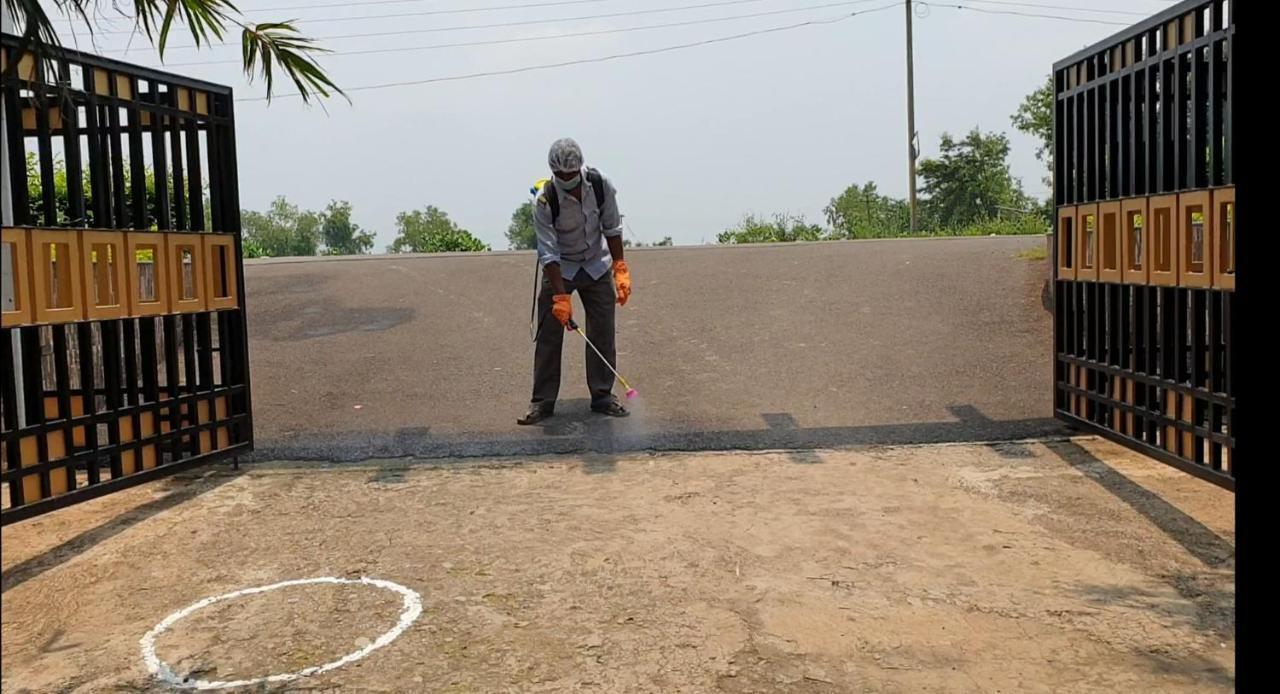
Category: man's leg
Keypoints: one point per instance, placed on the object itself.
(546, 353)
(600, 302)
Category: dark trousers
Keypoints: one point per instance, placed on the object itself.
(599, 300)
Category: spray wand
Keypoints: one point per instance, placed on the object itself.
(631, 392)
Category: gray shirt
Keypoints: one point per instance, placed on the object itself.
(578, 238)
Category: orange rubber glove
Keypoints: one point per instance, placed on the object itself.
(562, 309)
(622, 281)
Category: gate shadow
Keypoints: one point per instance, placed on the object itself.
(1198, 539)
(601, 436)
(185, 488)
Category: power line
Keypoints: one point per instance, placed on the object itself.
(317, 6)
(554, 3)
(577, 34)
(436, 30)
(1082, 20)
(599, 59)
(431, 13)
(1057, 7)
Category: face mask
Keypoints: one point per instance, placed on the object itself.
(566, 186)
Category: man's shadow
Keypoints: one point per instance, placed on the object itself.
(573, 417)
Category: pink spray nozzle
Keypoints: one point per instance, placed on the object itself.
(631, 394)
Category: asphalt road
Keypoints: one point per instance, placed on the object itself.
(795, 346)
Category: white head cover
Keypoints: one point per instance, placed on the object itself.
(565, 156)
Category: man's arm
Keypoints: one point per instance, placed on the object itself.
(611, 220)
(615, 247)
(548, 247)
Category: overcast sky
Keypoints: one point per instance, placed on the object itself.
(693, 138)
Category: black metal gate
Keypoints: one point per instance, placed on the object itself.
(1145, 243)
(123, 352)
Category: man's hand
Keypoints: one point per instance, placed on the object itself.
(562, 309)
(622, 281)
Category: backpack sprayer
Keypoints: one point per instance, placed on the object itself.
(535, 321)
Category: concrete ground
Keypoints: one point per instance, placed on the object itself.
(786, 346)
(1060, 565)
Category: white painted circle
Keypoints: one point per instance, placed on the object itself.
(161, 670)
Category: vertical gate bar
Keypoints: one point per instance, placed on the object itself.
(1137, 145)
(44, 145)
(1092, 160)
(181, 220)
(1214, 375)
(1094, 347)
(224, 363)
(1227, 119)
(1167, 358)
(1228, 305)
(232, 202)
(1110, 112)
(131, 394)
(1162, 130)
(1199, 353)
(195, 185)
(1141, 335)
(71, 151)
(33, 383)
(204, 353)
(190, 378)
(1098, 322)
(160, 163)
(204, 357)
(1200, 117)
(111, 377)
(1171, 127)
(62, 395)
(213, 157)
(88, 393)
(191, 383)
(114, 134)
(1181, 348)
(1152, 328)
(150, 365)
(1179, 112)
(171, 387)
(1057, 347)
(98, 184)
(1059, 140)
(17, 150)
(1125, 126)
(1078, 172)
(137, 162)
(9, 393)
(1103, 116)
(1181, 147)
(1151, 128)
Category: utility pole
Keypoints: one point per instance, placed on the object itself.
(911, 125)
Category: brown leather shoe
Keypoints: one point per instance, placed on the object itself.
(612, 409)
(535, 415)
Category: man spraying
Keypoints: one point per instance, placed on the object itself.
(579, 235)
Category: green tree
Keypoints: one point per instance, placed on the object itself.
(666, 241)
(520, 233)
(1035, 117)
(62, 200)
(265, 47)
(283, 230)
(430, 230)
(861, 212)
(342, 236)
(970, 180)
(784, 228)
